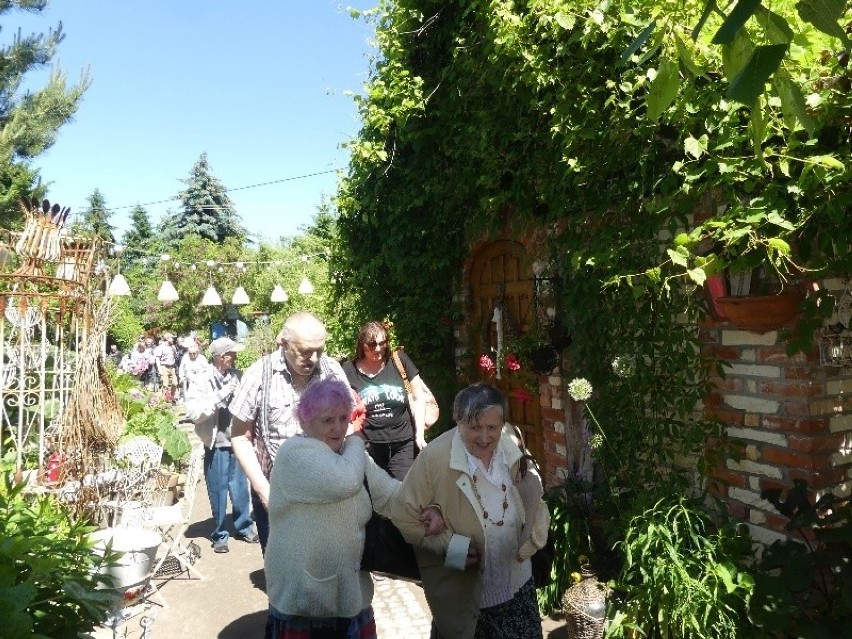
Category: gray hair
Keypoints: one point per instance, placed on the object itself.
(476, 399)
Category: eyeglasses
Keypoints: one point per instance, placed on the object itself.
(374, 343)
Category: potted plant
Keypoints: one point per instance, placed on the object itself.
(756, 300)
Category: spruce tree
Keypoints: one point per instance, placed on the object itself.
(207, 210)
(138, 239)
(30, 119)
(95, 219)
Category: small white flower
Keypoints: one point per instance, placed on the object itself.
(580, 389)
(624, 366)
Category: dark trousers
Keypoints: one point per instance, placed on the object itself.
(394, 457)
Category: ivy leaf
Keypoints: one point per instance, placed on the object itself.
(697, 275)
(565, 21)
(824, 15)
(777, 219)
(677, 257)
(735, 20)
(686, 57)
(792, 103)
(664, 89)
(696, 148)
(640, 40)
(749, 82)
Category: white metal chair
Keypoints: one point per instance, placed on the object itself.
(139, 459)
(172, 522)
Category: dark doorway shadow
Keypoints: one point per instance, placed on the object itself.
(258, 579)
(251, 625)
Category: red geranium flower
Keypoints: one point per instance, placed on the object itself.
(512, 362)
(486, 364)
(521, 395)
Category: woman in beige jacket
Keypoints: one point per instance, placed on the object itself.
(477, 575)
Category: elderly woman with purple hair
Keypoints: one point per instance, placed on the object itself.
(318, 508)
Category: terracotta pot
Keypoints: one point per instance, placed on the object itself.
(762, 313)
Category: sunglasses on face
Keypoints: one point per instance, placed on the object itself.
(374, 343)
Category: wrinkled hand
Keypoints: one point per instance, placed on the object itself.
(432, 520)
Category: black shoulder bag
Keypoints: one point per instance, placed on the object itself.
(385, 550)
(542, 559)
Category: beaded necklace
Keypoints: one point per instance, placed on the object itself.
(482, 506)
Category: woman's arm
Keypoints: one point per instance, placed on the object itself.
(418, 410)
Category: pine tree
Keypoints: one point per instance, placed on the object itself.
(29, 121)
(207, 210)
(138, 239)
(95, 219)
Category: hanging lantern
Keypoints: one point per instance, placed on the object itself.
(240, 297)
(119, 286)
(305, 287)
(168, 292)
(584, 606)
(279, 295)
(211, 297)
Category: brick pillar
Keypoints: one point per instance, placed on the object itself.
(785, 418)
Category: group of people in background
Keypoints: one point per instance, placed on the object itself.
(304, 477)
(165, 363)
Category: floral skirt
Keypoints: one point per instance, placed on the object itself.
(281, 626)
(517, 618)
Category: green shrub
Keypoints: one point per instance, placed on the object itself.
(48, 573)
(159, 424)
(681, 575)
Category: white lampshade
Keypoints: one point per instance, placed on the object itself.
(305, 287)
(279, 295)
(211, 297)
(168, 292)
(119, 286)
(240, 297)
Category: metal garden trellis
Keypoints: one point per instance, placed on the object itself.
(45, 312)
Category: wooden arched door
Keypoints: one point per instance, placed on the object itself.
(501, 275)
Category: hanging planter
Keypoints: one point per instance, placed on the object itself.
(543, 359)
(762, 313)
(756, 302)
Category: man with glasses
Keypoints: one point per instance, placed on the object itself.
(264, 405)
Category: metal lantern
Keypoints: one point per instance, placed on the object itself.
(584, 606)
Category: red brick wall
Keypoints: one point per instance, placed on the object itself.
(785, 418)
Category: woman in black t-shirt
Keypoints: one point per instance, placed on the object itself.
(392, 426)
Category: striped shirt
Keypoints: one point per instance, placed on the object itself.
(281, 399)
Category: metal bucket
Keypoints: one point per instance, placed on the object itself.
(131, 574)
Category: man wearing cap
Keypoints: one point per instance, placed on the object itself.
(207, 398)
(264, 405)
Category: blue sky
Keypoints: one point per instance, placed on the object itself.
(259, 86)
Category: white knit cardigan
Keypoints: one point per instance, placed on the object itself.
(318, 508)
